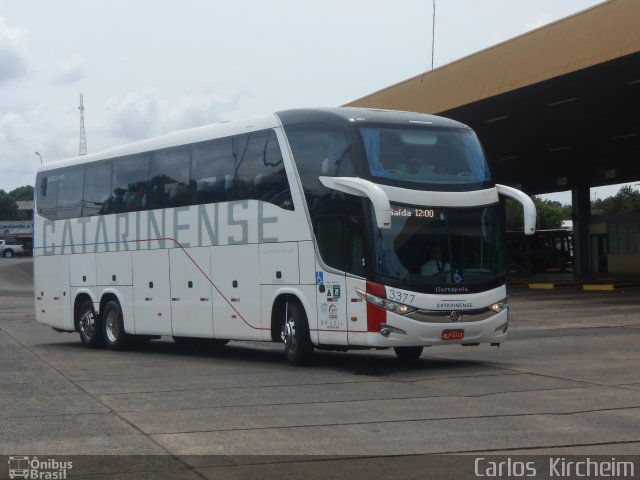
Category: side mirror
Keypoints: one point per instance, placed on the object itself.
(530, 213)
(363, 188)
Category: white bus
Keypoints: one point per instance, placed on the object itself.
(336, 228)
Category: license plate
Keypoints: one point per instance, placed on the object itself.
(457, 334)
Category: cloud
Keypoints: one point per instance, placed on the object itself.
(68, 70)
(16, 166)
(199, 109)
(13, 60)
(136, 116)
(53, 128)
(48, 131)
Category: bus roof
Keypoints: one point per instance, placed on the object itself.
(343, 115)
(173, 139)
(336, 115)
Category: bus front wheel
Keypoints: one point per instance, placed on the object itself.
(113, 332)
(408, 354)
(295, 335)
(89, 326)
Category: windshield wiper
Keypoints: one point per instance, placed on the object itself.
(338, 162)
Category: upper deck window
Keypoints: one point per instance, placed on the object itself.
(320, 150)
(439, 157)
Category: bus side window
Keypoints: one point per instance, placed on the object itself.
(260, 169)
(97, 190)
(130, 183)
(169, 184)
(338, 218)
(330, 237)
(341, 242)
(212, 168)
(47, 194)
(320, 150)
(69, 204)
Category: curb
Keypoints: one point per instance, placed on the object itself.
(542, 286)
(610, 287)
(588, 287)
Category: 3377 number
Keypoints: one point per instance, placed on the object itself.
(400, 296)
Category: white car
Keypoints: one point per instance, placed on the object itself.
(9, 250)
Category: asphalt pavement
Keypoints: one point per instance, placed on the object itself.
(566, 383)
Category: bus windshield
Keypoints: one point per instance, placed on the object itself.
(442, 246)
(433, 156)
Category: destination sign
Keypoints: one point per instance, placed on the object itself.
(414, 212)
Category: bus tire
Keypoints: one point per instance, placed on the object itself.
(408, 354)
(115, 338)
(295, 335)
(89, 325)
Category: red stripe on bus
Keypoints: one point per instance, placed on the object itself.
(204, 274)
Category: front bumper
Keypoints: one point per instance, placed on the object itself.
(404, 331)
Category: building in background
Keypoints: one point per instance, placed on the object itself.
(556, 109)
(19, 231)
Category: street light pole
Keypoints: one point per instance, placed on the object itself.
(39, 156)
(433, 32)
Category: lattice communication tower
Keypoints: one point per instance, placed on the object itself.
(83, 140)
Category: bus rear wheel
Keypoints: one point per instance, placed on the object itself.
(115, 338)
(408, 354)
(295, 335)
(89, 325)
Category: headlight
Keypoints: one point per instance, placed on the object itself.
(391, 306)
(499, 306)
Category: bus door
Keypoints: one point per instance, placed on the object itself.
(191, 292)
(341, 314)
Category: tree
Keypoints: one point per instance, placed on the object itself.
(8, 207)
(627, 200)
(567, 210)
(22, 193)
(550, 214)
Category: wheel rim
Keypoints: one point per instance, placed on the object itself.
(289, 334)
(87, 324)
(111, 326)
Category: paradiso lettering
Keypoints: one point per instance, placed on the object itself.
(233, 223)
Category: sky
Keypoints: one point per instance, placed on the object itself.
(147, 68)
